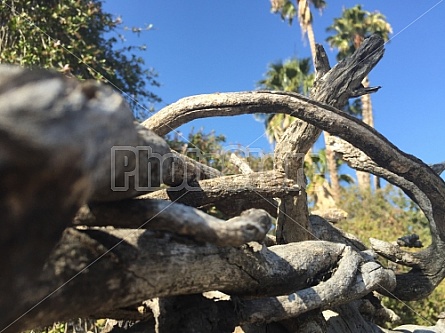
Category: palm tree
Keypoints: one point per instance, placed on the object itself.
(293, 76)
(350, 30)
(319, 190)
(288, 11)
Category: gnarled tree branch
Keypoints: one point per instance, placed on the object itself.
(231, 194)
(252, 225)
(427, 265)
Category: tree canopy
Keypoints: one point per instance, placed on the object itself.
(79, 39)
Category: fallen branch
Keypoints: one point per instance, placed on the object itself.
(252, 225)
(104, 269)
(56, 139)
(351, 280)
(427, 265)
(185, 171)
(232, 194)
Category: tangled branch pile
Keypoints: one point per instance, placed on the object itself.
(77, 242)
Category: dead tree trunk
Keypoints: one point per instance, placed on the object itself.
(76, 243)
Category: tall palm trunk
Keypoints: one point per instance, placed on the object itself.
(332, 169)
(368, 117)
(330, 156)
(311, 39)
(364, 178)
(306, 25)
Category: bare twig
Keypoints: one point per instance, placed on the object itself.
(241, 164)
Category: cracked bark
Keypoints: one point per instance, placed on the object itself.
(104, 269)
(427, 265)
(251, 225)
(231, 194)
(108, 271)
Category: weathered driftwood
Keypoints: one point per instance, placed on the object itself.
(333, 86)
(99, 270)
(232, 194)
(428, 265)
(368, 140)
(251, 225)
(65, 133)
(56, 136)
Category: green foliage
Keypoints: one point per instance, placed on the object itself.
(72, 36)
(294, 76)
(388, 214)
(385, 214)
(353, 27)
(206, 148)
(288, 10)
(209, 149)
(316, 171)
(354, 108)
(423, 312)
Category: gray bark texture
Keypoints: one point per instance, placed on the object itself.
(101, 220)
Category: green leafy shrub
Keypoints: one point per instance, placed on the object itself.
(388, 214)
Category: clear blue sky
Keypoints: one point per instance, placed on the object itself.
(206, 46)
